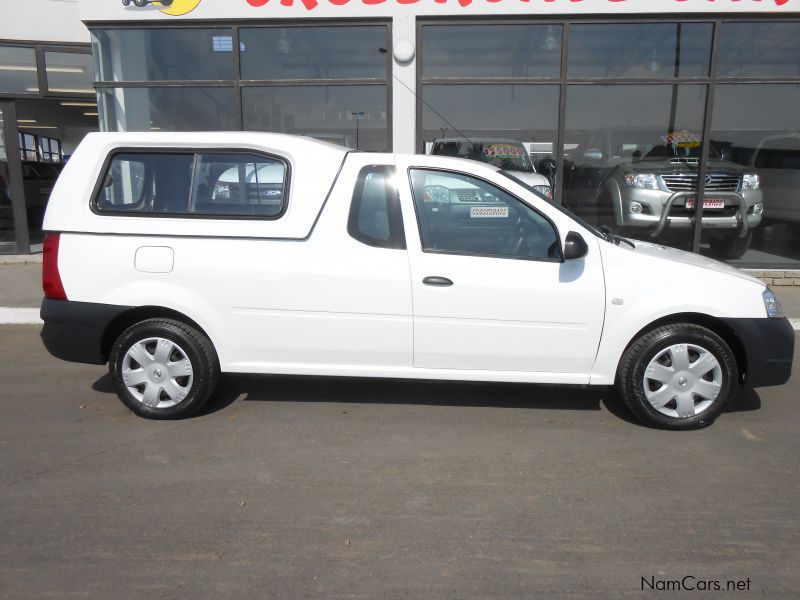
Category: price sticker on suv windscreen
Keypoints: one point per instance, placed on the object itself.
(503, 151)
(481, 212)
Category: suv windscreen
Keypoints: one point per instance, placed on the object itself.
(652, 145)
(509, 156)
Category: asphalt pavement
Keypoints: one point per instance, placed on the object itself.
(290, 487)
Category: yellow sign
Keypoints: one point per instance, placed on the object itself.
(179, 7)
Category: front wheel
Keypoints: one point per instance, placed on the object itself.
(678, 376)
(163, 369)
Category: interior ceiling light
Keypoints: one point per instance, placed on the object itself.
(17, 68)
(40, 127)
(65, 70)
(85, 104)
(26, 120)
(72, 90)
(91, 114)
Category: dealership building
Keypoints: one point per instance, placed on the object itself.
(676, 94)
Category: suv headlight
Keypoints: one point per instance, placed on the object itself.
(645, 181)
(751, 181)
(774, 310)
(545, 190)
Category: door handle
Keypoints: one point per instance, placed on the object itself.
(438, 281)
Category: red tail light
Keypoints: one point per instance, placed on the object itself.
(51, 278)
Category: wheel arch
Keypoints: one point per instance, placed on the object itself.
(141, 313)
(714, 324)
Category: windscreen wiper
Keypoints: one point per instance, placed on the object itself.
(613, 237)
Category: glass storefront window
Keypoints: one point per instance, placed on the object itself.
(639, 50)
(754, 49)
(7, 239)
(183, 54)
(68, 73)
(756, 127)
(629, 167)
(496, 51)
(18, 74)
(280, 53)
(167, 108)
(354, 116)
(521, 117)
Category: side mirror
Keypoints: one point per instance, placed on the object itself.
(575, 246)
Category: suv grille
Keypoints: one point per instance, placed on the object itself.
(468, 195)
(688, 182)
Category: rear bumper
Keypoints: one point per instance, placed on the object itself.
(769, 346)
(74, 331)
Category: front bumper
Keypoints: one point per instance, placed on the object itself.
(655, 202)
(769, 349)
(74, 331)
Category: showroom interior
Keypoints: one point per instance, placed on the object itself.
(671, 102)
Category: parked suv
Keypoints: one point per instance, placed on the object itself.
(509, 155)
(646, 183)
(167, 260)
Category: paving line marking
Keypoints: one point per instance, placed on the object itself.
(19, 316)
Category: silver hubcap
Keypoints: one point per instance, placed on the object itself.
(682, 381)
(157, 372)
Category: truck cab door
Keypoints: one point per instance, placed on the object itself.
(490, 289)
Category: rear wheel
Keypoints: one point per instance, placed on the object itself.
(163, 369)
(678, 376)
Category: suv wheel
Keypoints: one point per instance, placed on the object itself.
(678, 376)
(163, 369)
(730, 246)
(140, 3)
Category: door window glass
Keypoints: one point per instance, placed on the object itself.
(375, 216)
(464, 215)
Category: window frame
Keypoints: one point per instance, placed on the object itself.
(195, 152)
(425, 250)
(397, 234)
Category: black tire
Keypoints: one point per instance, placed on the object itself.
(187, 341)
(635, 361)
(604, 210)
(166, 2)
(140, 3)
(126, 2)
(730, 246)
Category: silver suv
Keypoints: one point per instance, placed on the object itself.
(645, 183)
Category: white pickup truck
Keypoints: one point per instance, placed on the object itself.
(176, 256)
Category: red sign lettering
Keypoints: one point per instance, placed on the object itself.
(312, 4)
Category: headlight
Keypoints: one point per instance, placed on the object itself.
(544, 190)
(774, 310)
(645, 181)
(751, 181)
